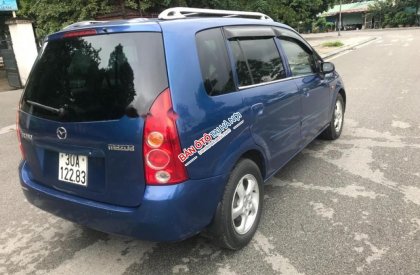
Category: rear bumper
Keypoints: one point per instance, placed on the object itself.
(167, 213)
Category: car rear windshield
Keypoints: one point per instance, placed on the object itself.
(101, 77)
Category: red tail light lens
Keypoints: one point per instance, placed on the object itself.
(161, 144)
(19, 135)
(157, 159)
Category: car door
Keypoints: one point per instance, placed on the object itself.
(272, 100)
(316, 92)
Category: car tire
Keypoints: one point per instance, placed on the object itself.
(238, 213)
(336, 124)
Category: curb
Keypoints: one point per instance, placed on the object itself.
(392, 29)
(326, 35)
(346, 48)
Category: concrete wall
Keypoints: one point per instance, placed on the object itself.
(24, 46)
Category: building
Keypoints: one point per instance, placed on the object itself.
(353, 16)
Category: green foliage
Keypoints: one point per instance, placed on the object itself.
(333, 44)
(52, 15)
(330, 25)
(403, 18)
(393, 13)
(321, 22)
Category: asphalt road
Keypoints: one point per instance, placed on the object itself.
(345, 207)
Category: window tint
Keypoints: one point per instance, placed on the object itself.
(301, 62)
(214, 62)
(242, 68)
(257, 60)
(99, 77)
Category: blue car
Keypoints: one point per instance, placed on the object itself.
(163, 128)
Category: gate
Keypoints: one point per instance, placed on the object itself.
(10, 64)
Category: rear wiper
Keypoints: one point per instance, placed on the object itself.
(59, 112)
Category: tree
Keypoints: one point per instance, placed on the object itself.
(286, 11)
(396, 12)
(52, 15)
(416, 5)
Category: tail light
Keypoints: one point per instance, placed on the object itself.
(19, 135)
(161, 145)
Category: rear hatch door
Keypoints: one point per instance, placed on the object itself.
(81, 116)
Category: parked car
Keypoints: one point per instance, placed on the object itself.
(164, 128)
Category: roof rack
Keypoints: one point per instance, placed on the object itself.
(181, 12)
(83, 24)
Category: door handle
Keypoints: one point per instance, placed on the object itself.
(305, 92)
(258, 109)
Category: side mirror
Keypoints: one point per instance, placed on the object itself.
(327, 67)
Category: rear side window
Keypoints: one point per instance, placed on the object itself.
(257, 60)
(92, 78)
(214, 62)
(301, 61)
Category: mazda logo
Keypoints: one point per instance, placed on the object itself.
(61, 133)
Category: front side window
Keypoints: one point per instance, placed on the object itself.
(301, 61)
(257, 60)
(214, 62)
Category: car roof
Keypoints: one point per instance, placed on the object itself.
(157, 25)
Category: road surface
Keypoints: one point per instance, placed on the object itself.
(346, 207)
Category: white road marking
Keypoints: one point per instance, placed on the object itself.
(7, 129)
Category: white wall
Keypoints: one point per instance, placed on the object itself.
(24, 46)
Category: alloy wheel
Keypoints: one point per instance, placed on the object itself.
(245, 204)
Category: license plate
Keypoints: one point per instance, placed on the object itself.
(72, 168)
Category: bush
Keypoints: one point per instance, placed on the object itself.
(403, 18)
(330, 25)
(333, 44)
(321, 23)
(389, 21)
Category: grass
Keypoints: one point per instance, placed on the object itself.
(333, 44)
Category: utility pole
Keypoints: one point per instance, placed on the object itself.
(122, 7)
(139, 5)
(339, 21)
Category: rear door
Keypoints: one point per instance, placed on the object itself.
(82, 114)
(273, 100)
